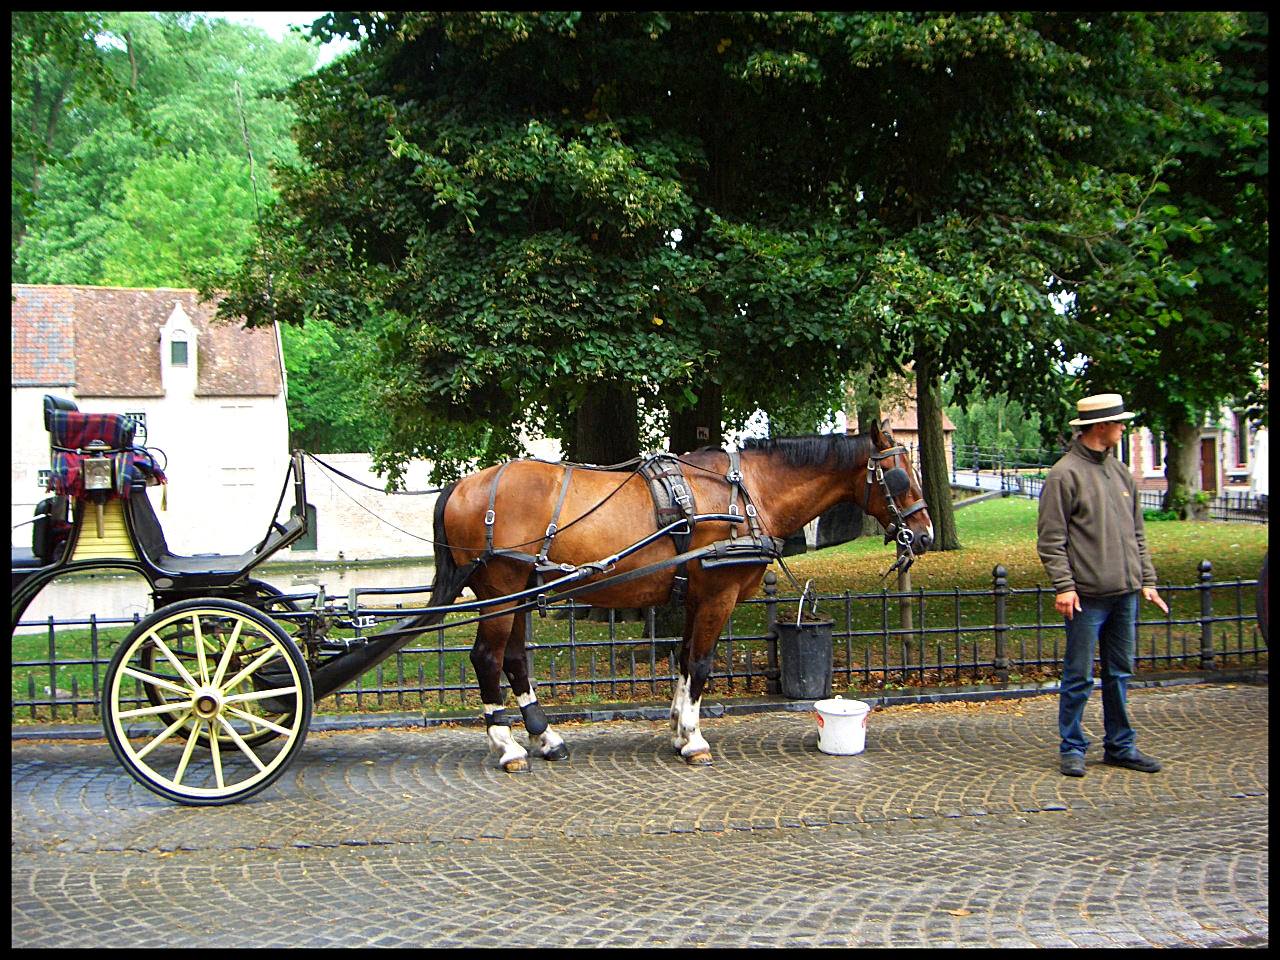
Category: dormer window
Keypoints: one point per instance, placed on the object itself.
(178, 348)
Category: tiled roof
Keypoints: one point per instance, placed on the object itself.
(43, 344)
(106, 342)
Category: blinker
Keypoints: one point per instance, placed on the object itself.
(897, 482)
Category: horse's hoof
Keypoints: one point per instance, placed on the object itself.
(518, 765)
(701, 758)
(560, 752)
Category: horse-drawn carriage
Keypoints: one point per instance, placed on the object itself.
(209, 698)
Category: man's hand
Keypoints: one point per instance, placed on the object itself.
(1152, 594)
(1067, 603)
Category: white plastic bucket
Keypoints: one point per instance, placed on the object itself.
(842, 725)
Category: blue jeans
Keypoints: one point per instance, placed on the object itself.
(1108, 623)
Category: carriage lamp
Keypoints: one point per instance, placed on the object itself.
(97, 478)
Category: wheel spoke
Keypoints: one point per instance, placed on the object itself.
(166, 734)
(259, 721)
(215, 757)
(259, 694)
(269, 654)
(186, 754)
(227, 653)
(167, 708)
(154, 680)
(244, 747)
(177, 664)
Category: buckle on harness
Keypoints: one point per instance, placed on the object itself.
(488, 518)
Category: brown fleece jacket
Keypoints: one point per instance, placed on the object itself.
(1090, 534)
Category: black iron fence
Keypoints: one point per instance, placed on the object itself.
(1229, 505)
(880, 641)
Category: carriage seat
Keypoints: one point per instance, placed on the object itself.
(151, 541)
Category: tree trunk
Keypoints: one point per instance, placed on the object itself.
(1182, 467)
(606, 426)
(699, 425)
(933, 453)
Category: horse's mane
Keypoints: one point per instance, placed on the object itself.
(840, 450)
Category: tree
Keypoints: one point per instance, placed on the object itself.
(327, 404)
(556, 217)
(535, 210)
(130, 160)
(1207, 305)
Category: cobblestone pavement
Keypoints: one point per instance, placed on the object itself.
(953, 828)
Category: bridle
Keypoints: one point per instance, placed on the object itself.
(892, 483)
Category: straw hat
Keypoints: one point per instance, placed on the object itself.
(1102, 408)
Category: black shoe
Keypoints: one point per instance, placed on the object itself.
(1071, 764)
(1133, 760)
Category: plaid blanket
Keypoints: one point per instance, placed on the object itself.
(71, 430)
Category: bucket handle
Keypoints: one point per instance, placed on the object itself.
(800, 606)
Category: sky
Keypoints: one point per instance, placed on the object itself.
(277, 25)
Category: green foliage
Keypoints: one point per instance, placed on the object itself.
(176, 212)
(998, 424)
(130, 163)
(1206, 242)
(531, 205)
(327, 405)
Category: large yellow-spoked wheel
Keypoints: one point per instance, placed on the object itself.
(190, 693)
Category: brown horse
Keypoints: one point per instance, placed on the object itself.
(703, 526)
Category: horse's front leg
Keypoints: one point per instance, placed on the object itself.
(697, 655)
(487, 655)
(543, 741)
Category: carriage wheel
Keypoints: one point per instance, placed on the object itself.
(225, 675)
(265, 725)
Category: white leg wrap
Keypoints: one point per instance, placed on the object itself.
(502, 743)
(678, 737)
(689, 718)
(685, 734)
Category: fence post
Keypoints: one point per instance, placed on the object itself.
(772, 672)
(1000, 589)
(1206, 616)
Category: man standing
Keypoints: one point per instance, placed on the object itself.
(1093, 546)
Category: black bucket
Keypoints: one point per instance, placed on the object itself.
(804, 652)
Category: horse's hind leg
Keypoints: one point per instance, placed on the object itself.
(487, 656)
(543, 741)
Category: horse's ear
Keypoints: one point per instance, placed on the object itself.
(879, 431)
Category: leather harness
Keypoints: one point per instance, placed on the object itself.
(674, 508)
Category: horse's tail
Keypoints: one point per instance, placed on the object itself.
(449, 578)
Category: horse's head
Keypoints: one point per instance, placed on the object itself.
(893, 495)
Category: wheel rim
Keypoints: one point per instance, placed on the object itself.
(207, 702)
